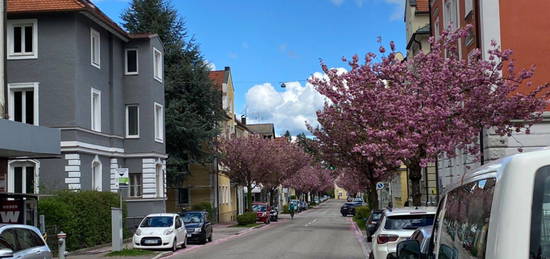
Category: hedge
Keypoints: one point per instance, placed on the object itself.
(204, 206)
(246, 218)
(84, 216)
(362, 213)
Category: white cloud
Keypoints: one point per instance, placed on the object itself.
(399, 9)
(288, 110)
(211, 65)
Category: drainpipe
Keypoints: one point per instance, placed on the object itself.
(4, 59)
(478, 43)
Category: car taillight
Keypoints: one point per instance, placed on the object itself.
(382, 239)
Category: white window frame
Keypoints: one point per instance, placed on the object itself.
(139, 186)
(97, 186)
(128, 121)
(468, 7)
(95, 122)
(159, 175)
(24, 55)
(159, 123)
(450, 8)
(158, 68)
(126, 72)
(94, 35)
(437, 30)
(13, 87)
(23, 163)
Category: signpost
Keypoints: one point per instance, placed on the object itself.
(116, 213)
(380, 186)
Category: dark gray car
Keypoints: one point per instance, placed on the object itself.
(22, 242)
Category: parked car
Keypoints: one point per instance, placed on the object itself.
(274, 214)
(22, 242)
(161, 231)
(358, 200)
(348, 208)
(496, 211)
(372, 223)
(262, 210)
(303, 205)
(422, 236)
(198, 226)
(397, 225)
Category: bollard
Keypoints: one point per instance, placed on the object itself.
(61, 237)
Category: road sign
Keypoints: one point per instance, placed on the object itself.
(122, 176)
(379, 186)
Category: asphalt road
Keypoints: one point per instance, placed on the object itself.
(317, 233)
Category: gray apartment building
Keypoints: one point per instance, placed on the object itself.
(71, 68)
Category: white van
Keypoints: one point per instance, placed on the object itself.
(499, 211)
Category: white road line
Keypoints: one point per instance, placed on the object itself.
(311, 222)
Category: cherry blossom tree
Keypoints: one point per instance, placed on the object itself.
(351, 181)
(311, 178)
(429, 105)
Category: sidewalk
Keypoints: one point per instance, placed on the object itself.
(220, 232)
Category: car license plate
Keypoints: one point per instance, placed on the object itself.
(151, 242)
(188, 235)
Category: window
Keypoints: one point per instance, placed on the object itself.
(22, 39)
(437, 31)
(95, 48)
(468, 7)
(23, 102)
(28, 239)
(178, 222)
(10, 238)
(97, 179)
(132, 121)
(464, 222)
(131, 62)
(96, 110)
(540, 215)
(450, 15)
(157, 66)
(159, 123)
(136, 185)
(183, 196)
(21, 178)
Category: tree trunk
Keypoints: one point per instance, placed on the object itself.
(372, 196)
(249, 197)
(272, 197)
(415, 175)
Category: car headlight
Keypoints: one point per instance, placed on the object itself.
(168, 232)
(138, 232)
(197, 230)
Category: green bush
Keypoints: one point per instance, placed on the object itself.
(246, 218)
(285, 209)
(84, 216)
(313, 204)
(293, 197)
(361, 215)
(204, 206)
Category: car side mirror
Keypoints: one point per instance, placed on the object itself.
(408, 249)
(6, 253)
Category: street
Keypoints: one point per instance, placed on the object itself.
(317, 233)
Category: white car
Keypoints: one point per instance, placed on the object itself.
(161, 231)
(397, 225)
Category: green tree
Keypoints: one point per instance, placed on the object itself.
(287, 135)
(192, 104)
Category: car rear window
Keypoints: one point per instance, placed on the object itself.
(540, 215)
(157, 222)
(260, 208)
(408, 221)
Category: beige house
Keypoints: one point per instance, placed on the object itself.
(417, 20)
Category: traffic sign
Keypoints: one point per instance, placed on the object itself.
(122, 176)
(379, 186)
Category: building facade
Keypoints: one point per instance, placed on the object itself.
(515, 25)
(71, 68)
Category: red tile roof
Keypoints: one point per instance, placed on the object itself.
(217, 77)
(28, 6)
(422, 6)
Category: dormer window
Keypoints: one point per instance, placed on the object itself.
(22, 39)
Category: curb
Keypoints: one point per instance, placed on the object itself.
(360, 238)
(85, 251)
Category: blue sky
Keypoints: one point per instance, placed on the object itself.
(269, 42)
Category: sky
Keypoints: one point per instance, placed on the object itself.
(268, 42)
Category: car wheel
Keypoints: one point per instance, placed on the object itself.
(371, 255)
(210, 238)
(175, 245)
(369, 239)
(184, 245)
(204, 240)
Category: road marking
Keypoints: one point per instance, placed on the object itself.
(311, 222)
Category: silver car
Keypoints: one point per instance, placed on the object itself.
(22, 242)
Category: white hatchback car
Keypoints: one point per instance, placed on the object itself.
(397, 225)
(161, 231)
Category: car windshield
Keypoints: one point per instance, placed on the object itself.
(408, 222)
(192, 218)
(157, 222)
(259, 208)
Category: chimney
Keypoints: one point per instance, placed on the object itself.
(243, 119)
(227, 68)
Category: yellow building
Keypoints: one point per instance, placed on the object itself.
(339, 193)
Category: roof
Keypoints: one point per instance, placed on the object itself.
(218, 77)
(422, 6)
(143, 35)
(34, 6)
(263, 128)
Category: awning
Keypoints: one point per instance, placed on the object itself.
(24, 140)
